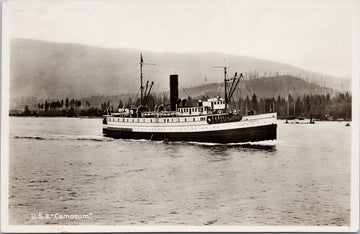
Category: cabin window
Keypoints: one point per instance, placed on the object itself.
(151, 120)
(144, 120)
(178, 120)
(167, 120)
(193, 119)
(185, 119)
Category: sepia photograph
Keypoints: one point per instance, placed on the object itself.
(180, 116)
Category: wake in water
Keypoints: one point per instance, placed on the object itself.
(269, 145)
(262, 145)
(258, 144)
(66, 137)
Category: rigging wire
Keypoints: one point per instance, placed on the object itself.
(135, 97)
(186, 93)
(135, 92)
(247, 87)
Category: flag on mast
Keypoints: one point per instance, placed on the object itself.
(141, 58)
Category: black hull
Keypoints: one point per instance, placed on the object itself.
(259, 133)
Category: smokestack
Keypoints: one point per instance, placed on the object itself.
(174, 93)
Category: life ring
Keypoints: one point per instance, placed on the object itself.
(219, 111)
(209, 120)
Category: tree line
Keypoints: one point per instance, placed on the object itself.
(321, 107)
(316, 106)
(69, 107)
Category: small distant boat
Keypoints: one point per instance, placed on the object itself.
(347, 125)
(300, 121)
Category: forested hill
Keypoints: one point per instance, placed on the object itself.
(263, 87)
(288, 96)
(47, 70)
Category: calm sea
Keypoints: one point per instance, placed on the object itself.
(64, 166)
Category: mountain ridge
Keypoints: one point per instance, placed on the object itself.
(55, 70)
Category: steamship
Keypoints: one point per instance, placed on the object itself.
(209, 121)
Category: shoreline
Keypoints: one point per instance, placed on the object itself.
(57, 116)
(100, 117)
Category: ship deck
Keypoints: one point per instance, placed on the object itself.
(249, 128)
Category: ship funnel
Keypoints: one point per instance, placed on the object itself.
(174, 93)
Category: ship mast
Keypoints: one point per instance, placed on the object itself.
(141, 79)
(235, 82)
(225, 80)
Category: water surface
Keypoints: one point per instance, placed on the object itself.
(65, 166)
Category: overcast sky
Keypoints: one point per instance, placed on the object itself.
(314, 34)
